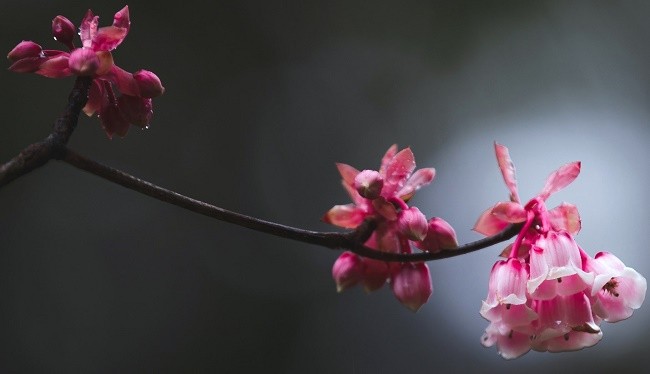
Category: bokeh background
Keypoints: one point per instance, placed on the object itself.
(262, 98)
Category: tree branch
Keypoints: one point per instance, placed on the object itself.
(53, 146)
(352, 240)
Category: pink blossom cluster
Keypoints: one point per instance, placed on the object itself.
(94, 59)
(382, 196)
(549, 294)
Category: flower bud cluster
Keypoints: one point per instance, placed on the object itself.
(382, 196)
(94, 59)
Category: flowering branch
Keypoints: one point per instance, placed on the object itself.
(548, 294)
(352, 240)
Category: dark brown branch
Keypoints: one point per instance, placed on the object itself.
(352, 240)
(54, 146)
(38, 154)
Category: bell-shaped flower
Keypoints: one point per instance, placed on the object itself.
(510, 343)
(94, 59)
(548, 295)
(556, 267)
(411, 285)
(617, 289)
(565, 323)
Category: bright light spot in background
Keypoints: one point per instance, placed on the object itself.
(610, 195)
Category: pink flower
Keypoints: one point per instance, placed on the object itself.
(617, 289)
(95, 59)
(382, 196)
(549, 295)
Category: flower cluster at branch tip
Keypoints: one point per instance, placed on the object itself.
(549, 294)
(382, 196)
(94, 59)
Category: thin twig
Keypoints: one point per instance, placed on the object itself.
(38, 154)
(54, 147)
(352, 241)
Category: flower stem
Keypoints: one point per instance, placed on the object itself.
(38, 154)
(352, 240)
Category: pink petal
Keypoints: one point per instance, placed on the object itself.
(384, 208)
(440, 235)
(25, 49)
(88, 29)
(136, 110)
(419, 179)
(509, 212)
(507, 168)
(113, 122)
(123, 80)
(96, 98)
(560, 178)
(27, 65)
(149, 83)
(390, 153)
(565, 218)
(398, 170)
(348, 173)
(618, 289)
(375, 274)
(488, 224)
(507, 285)
(55, 67)
(412, 224)
(63, 30)
(347, 216)
(108, 38)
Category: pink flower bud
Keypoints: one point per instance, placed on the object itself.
(440, 235)
(83, 61)
(63, 30)
(136, 110)
(412, 285)
(24, 49)
(149, 83)
(412, 223)
(347, 271)
(375, 274)
(369, 184)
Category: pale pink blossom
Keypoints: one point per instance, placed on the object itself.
(617, 289)
(549, 295)
(94, 58)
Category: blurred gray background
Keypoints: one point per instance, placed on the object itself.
(262, 98)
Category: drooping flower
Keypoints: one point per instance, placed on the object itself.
(382, 196)
(617, 289)
(549, 295)
(94, 59)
